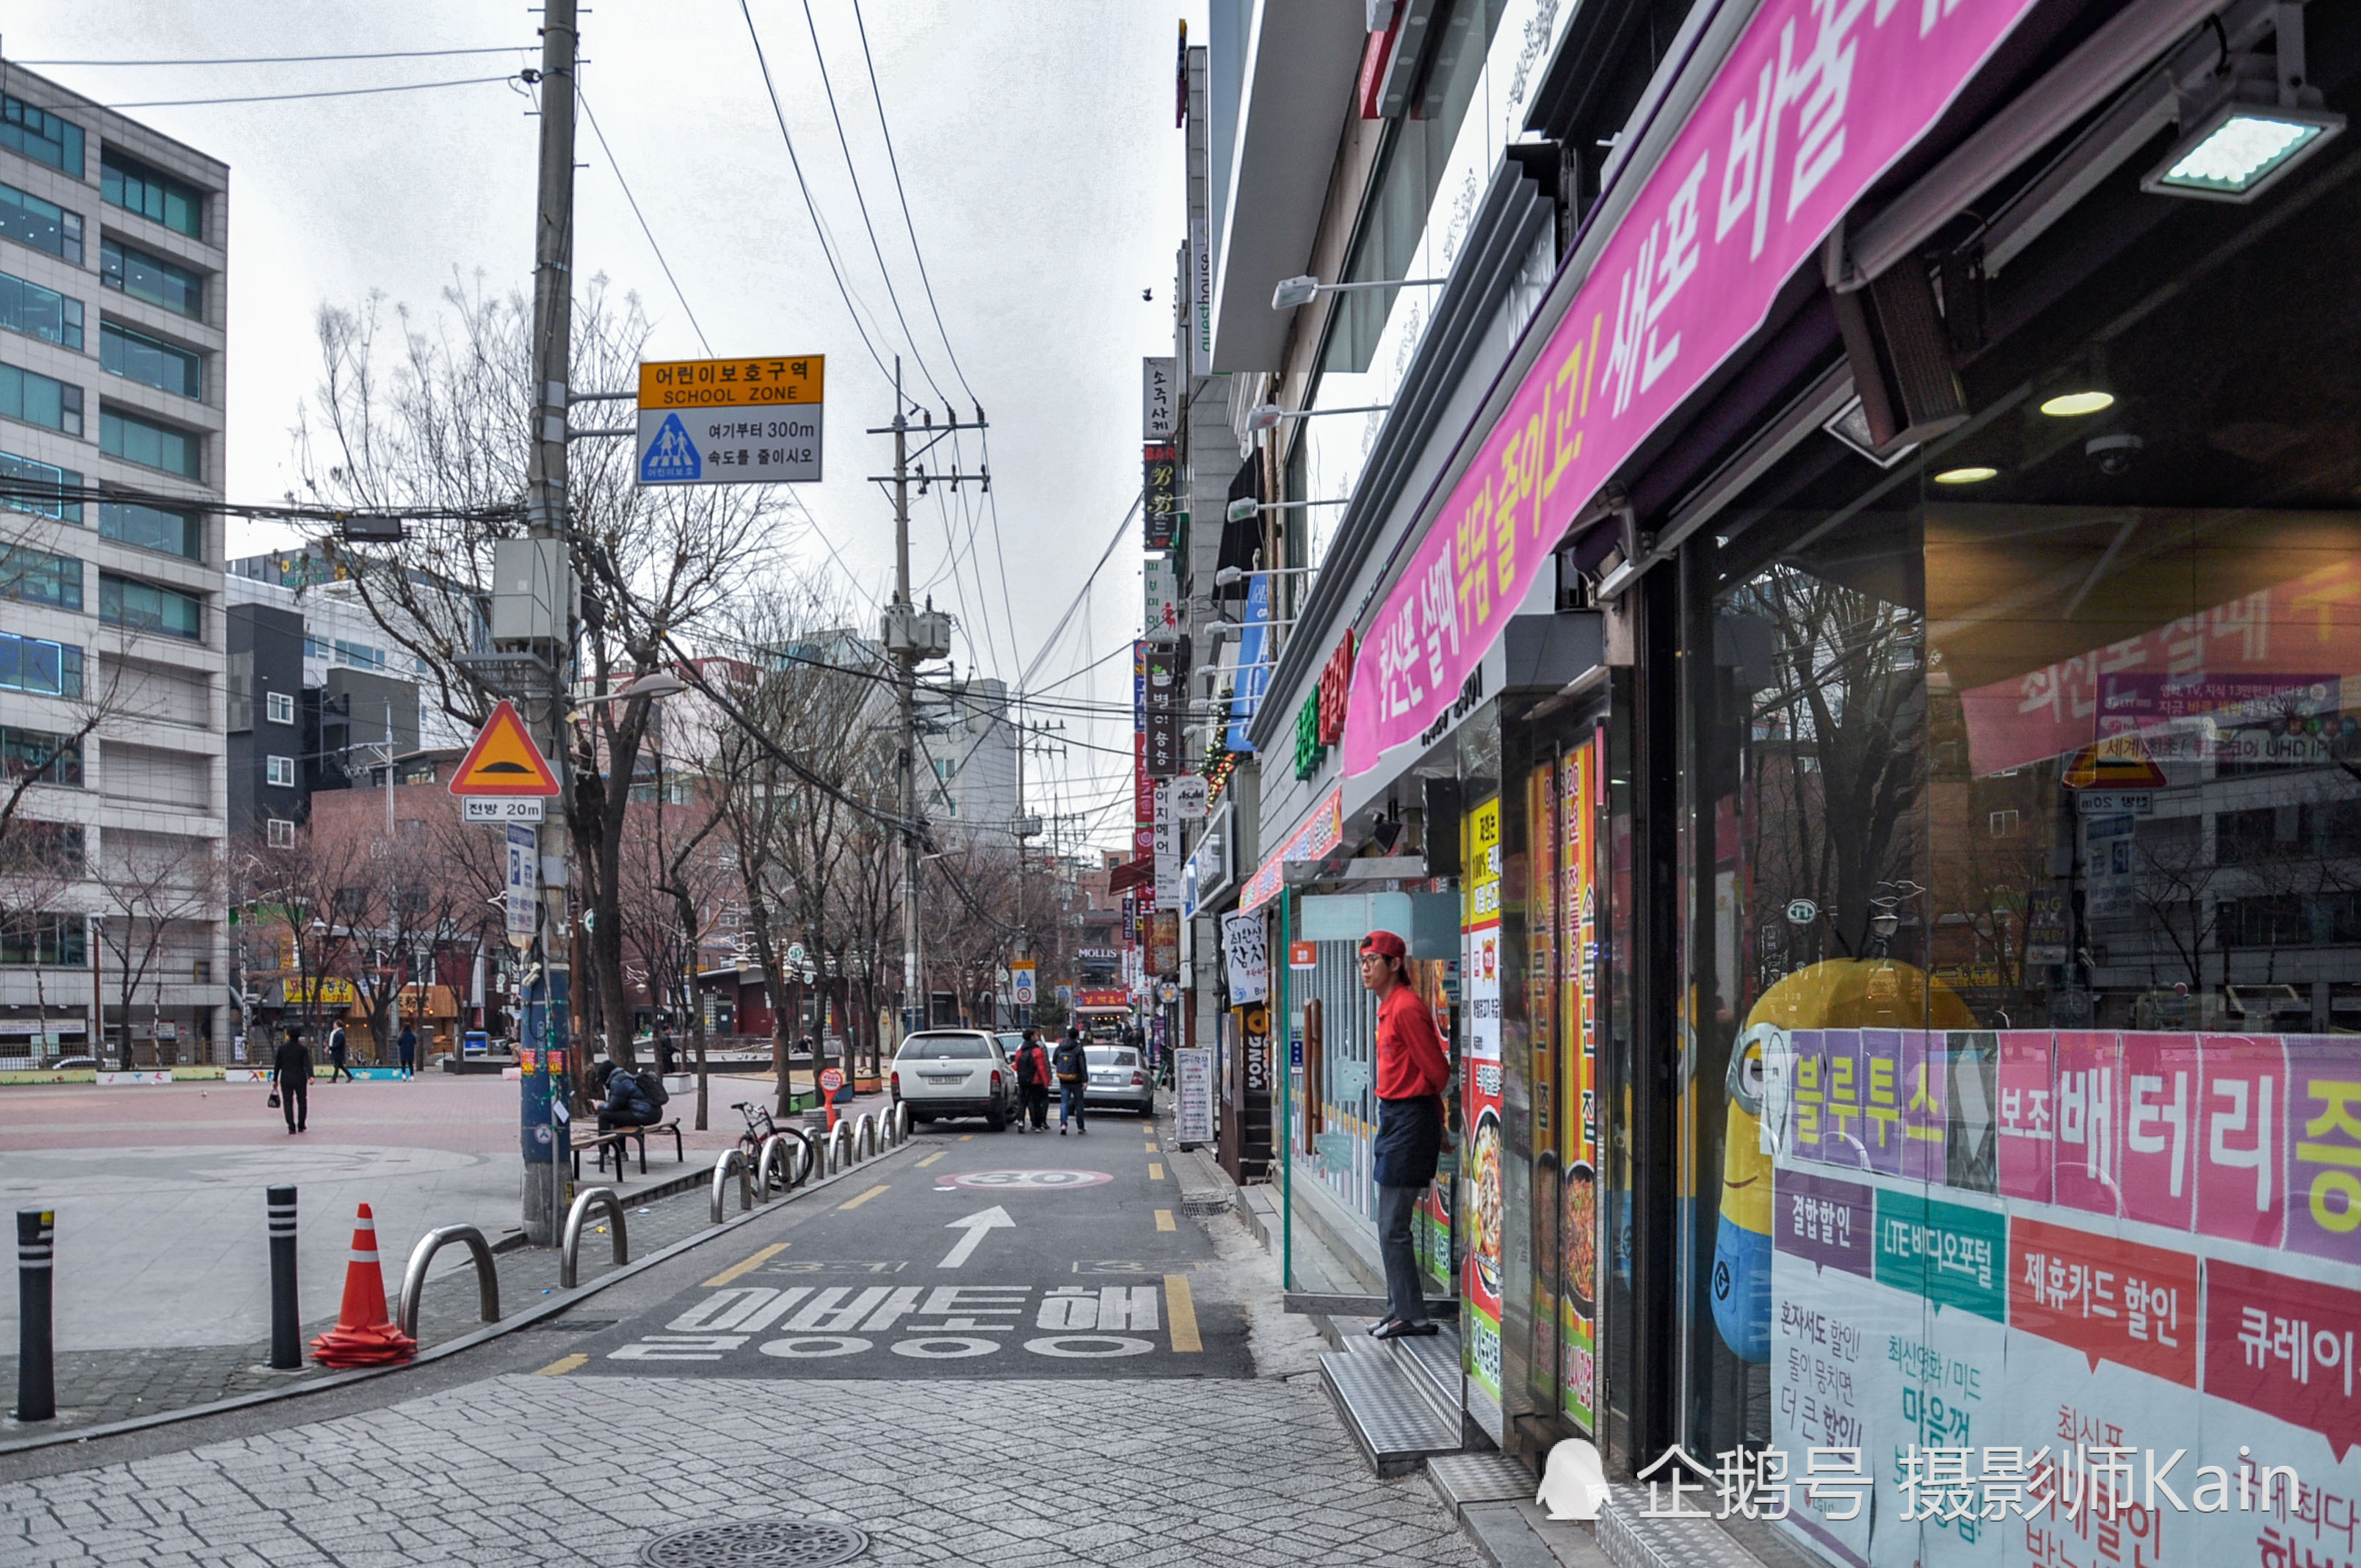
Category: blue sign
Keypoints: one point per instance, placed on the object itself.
(1254, 661)
(672, 456)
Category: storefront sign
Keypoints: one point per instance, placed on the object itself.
(1482, 1174)
(1815, 100)
(1160, 495)
(1253, 666)
(1167, 668)
(1245, 951)
(1302, 954)
(1158, 405)
(1319, 833)
(1192, 1073)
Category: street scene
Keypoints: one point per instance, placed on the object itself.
(1628, 715)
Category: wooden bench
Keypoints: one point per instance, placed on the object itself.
(619, 1139)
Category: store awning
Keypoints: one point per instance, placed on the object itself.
(1746, 192)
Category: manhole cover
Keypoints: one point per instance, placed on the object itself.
(757, 1543)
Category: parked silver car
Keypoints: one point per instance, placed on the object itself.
(954, 1072)
(1118, 1078)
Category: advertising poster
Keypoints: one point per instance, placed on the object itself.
(2126, 1339)
(1578, 1134)
(1479, 967)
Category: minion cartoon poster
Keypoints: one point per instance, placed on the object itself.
(1480, 1167)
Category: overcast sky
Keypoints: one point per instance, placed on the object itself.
(1036, 148)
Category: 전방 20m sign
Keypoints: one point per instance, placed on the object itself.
(731, 421)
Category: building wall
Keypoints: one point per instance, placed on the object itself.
(155, 775)
(266, 661)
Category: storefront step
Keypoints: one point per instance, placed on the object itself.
(1391, 1419)
(1632, 1538)
(1489, 1477)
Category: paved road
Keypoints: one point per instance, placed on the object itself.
(993, 1255)
(553, 1446)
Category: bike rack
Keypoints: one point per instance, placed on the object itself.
(839, 1148)
(902, 1122)
(591, 1197)
(865, 1138)
(775, 1151)
(885, 1129)
(731, 1159)
(413, 1278)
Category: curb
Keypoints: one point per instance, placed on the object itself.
(558, 1301)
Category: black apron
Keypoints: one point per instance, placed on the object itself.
(1408, 1142)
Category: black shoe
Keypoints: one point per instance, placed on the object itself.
(1081, 1131)
(1398, 1328)
(1381, 1325)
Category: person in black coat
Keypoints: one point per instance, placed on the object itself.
(1072, 1069)
(291, 1072)
(628, 1103)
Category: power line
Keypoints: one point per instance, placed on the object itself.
(288, 59)
(826, 249)
(581, 98)
(325, 93)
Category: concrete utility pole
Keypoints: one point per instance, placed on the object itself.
(912, 637)
(547, 519)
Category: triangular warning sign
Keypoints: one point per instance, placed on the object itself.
(2119, 761)
(504, 760)
(672, 456)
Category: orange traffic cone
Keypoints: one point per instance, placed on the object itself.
(363, 1336)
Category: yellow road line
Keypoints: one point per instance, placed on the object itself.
(1164, 1220)
(1155, 1170)
(564, 1365)
(1181, 1311)
(932, 1158)
(746, 1266)
(857, 1202)
(967, 1137)
(1151, 1149)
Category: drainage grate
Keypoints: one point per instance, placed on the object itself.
(757, 1543)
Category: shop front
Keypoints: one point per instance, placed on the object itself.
(1908, 980)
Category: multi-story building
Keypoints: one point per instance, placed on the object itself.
(112, 256)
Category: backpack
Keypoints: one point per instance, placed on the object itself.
(653, 1086)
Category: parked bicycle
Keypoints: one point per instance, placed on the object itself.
(759, 1129)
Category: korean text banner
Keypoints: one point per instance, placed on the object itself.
(1815, 100)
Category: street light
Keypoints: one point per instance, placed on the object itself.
(1294, 292)
(1245, 507)
(1230, 576)
(656, 687)
(1266, 416)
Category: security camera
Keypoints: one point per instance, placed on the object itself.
(2113, 453)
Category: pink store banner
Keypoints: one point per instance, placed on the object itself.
(1817, 99)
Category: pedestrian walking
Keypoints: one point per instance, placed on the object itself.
(1411, 1071)
(1032, 1083)
(407, 1046)
(1072, 1069)
(664, 1049)
(336, 1055)
(290, 1076)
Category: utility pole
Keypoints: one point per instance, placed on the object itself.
(547, 526)
(912, 637)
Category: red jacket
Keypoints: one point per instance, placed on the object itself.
(1411, 1063)
(1032, 1064)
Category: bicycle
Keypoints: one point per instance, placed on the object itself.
(759, 1129)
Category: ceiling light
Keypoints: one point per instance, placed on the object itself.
(2069, 405)
(1975, 474)
(2239, 149)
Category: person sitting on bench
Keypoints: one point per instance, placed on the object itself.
(628, 1103)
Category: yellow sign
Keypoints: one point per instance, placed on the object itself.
(2119, 761)
(504, 760)
(319, 992)
(733, 383)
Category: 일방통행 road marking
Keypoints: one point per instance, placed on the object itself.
(1164, 1220)
(1155, 1170)
(932, 1158)
(564, 1365)
(1181, 1313)
(857, 1202)
(746, 1266)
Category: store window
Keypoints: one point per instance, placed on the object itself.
(2023, 830)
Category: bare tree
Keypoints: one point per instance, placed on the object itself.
(157, 886)
(42, 869)
(439, 420)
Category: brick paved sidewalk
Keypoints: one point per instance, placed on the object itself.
(521, 1469)
(97, 1387)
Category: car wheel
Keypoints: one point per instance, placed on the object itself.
(997, 1119)
(924, 1118)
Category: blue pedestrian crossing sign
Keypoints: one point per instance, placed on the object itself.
(671, 458)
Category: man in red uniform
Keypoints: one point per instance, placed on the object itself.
(1412, 1072)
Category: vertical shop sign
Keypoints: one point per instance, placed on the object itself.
(1193, 1069)
(1160, 507)
(1815, 101)
(1254, 661)
(1576, 919)
(1245, 951)
(1479, 968)
(1161, 700)
(1159, 405)
(1143, 787)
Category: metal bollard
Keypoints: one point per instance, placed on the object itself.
(286, 1319)
(37, 1370)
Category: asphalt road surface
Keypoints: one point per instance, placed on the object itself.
(982, 1255)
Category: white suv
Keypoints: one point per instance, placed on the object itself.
(954, 1072)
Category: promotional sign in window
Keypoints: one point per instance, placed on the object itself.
(1576, 920)
(1480, 1170)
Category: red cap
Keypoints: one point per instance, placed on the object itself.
(1385, 942)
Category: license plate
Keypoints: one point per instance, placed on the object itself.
(944, 1076)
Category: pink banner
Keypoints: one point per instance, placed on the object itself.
(1817, 98)
(1319, 833)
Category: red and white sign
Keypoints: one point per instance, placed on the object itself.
(1816, 100)
(831, 1081)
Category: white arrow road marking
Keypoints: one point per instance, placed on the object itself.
(993, 1219)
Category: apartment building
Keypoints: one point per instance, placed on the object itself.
(112, 302)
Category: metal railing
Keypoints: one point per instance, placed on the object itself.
(790, 1153)
(731, 1159)
(839, 1148)
(487, 1277)
(591, 1198)
(902, 1122)
(865, 1138)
